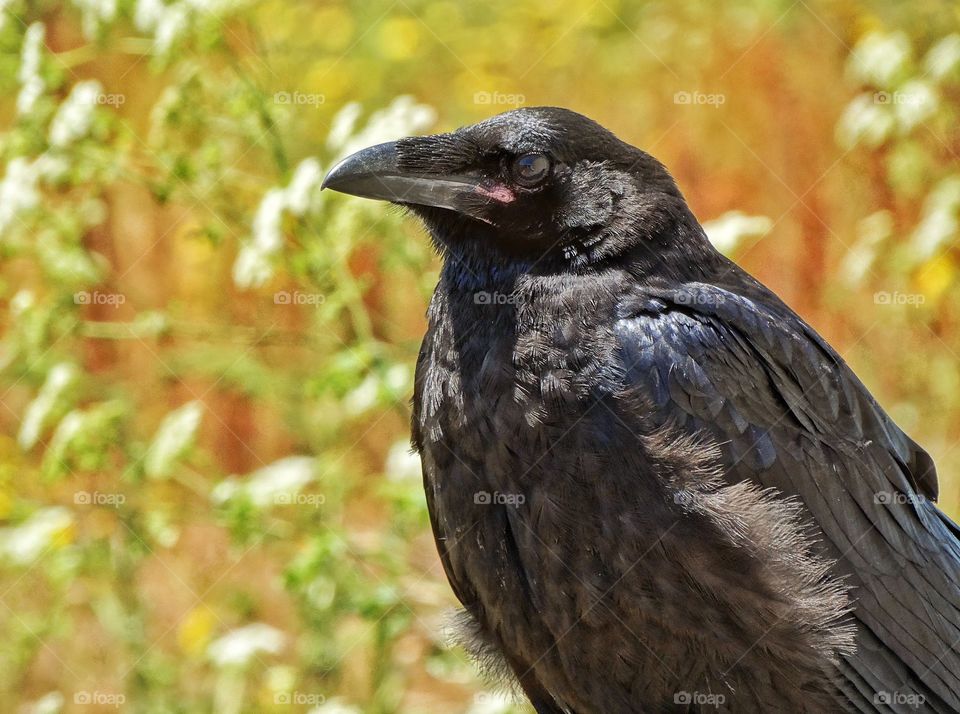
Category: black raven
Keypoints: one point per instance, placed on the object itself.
(653, 486)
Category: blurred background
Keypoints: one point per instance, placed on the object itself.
(207, 499)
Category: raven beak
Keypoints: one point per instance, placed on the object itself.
(374, 173)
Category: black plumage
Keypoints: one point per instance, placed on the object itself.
(653, 486)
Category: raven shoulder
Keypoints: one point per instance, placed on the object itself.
(742, 370)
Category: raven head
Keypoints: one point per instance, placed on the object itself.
(538, 185)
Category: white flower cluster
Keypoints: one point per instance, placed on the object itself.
(239, 647)
(880, 58)
(940, 221)
(943, 58)
(334, 706)
(167, 22)
(75, 116)
(51, 702)
(94, 14)
(402, 463)
(492, 703)
(402, 117)
(871, 232)
(885, 62)
(31, 83)
(285, 477)
(18, 191)
(174, 437)
(733, 227)
(253, 266)
(20, 185)
(24, 543)
(42, 408)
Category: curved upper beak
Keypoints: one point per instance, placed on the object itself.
(375, 173)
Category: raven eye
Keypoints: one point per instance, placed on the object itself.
(531, 169)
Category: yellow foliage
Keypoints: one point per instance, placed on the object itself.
(936, 276)
(195, 630)
(399, 37)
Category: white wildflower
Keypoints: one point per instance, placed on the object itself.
(51, 702)
(254, 264)
(252, 267)
(880, 59)
(95, 13)
(67, 430)
(32, 50)
(402, 117)
(397, 379)
(174, 437)
(915, 102)
(31, 82)
(147, 14)
(239, 647)
(943, 58)
(224, 491)
(402, 463)
(18, 191)
(269, 485)
(730, 229)
(871, 232)
(26, 542)
(169, 22)
(170, 27)
(50, 167)
(491, 703)
(22, 301)
(363, 397)
(268, 222)
(343, 125)
(39, 412)
(306, 179)
(214, 7)
(75, 116)
(864, 121)
(334, 706)
(938, 223)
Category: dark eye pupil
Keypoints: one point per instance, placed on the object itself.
(532, 167)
